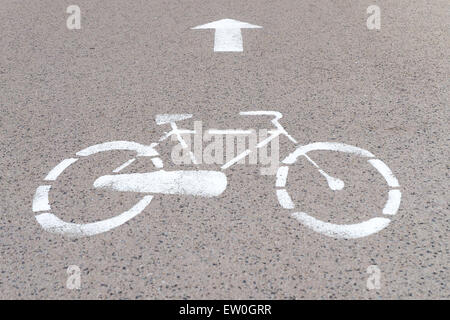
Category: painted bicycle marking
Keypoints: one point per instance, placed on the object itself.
(211, 183)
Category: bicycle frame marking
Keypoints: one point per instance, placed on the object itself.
(170, 119)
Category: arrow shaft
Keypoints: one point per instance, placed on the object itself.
(228, 40)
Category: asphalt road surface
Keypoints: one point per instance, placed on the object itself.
(315, 62)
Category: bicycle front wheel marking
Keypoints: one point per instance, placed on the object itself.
(346, 231)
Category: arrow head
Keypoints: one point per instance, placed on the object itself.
(227, 24)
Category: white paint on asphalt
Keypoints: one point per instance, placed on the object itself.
(284, 199)
(157, 162)
(40, 200)
(56, 171)
(345, 231)
(334, 183)
(198, 183)
(209, 183)
(168, 118)
(53, 224)
(141, 150)
(356, 230)
(393, 202)
(384, 170)
(282, 173)
(325, 146)
(228, 36)
(229, 131)
(123, 166)
(236, 159)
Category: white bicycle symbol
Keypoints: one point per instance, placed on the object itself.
(208, 183)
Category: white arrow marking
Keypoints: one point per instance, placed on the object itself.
(228, 36)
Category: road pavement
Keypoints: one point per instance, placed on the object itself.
(315, 62)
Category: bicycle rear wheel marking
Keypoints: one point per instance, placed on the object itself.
(141, 150)
(40, 200)
(56, 171)
(53, 224)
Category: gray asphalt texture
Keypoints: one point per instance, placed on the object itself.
(316, 62)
